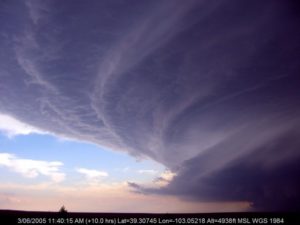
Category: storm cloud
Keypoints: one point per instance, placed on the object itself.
(210, 89)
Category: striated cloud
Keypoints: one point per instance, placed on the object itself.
(210, 89)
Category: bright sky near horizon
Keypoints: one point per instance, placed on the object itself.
(42, 170)
(74, 154)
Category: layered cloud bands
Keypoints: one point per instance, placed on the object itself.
(210, 89)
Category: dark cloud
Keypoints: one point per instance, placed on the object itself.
(208, 88)
(266, 176)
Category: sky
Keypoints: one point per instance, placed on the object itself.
(150, 106)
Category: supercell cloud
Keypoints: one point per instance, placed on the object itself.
(210, 89)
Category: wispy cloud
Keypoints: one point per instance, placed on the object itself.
(13, 127)
(147, 172)
(32, 168)
(36, 10)
(92, 176)
(197, 87)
